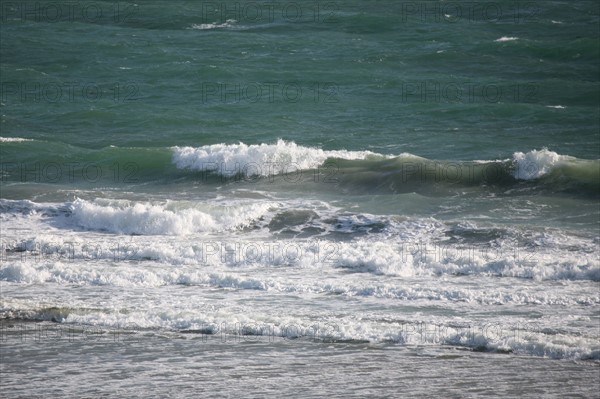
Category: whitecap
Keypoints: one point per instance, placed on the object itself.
(262, 160)
(13, 139)
(227, 24)
(506, 39)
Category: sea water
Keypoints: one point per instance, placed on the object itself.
(340, 198)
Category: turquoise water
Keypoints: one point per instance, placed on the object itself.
(357, 76)
(370, 168)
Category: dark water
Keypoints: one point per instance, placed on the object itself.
(305, 194)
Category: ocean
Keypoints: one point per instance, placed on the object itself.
(305, 198)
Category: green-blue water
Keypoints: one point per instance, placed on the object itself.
(430, 163)
(149, 79)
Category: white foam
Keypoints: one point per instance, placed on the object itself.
(307, 280)
(227, 24)
(506, 39)
(22, 272)
(398, 247)
(403, 259)
(531, 341)
(535, 164)
(163, 218)
(263, 321)
(421, 269)
(264, 159)
(13, 139)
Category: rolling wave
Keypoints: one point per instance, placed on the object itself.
(289, 163)
(395, 172)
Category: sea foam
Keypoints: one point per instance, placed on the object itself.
(535, 164)
(163, 218)
(262, 159)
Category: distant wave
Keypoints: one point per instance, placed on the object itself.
(262, 159)
(357, 171)
(370, 169)
(506, 39)
(227, 24)
(13, 139)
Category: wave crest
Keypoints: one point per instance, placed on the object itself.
(262, 159)
(535, 164)
(168, 218)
